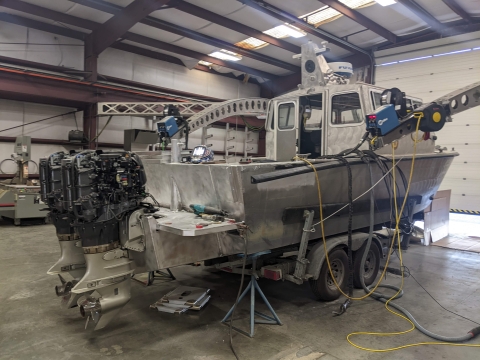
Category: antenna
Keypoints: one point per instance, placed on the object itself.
(314, 64)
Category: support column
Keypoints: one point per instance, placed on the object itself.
(90, 112)
(90, 60)
(262, 151)
(90, 121)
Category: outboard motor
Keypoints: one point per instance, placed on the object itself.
(92, 191)
(71, 266)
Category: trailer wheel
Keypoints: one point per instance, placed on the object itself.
(324, 288)
(372, 264)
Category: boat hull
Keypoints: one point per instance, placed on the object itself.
(273, 210)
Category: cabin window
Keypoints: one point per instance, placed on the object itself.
(376, 99)
(346, 109)
(416, 104)
(311, 105)
(310, 135)
(271, 115)
(286, 116)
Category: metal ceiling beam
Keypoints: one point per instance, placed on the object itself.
(182, 31)
(115, 27)
(18, 20)
(53, 15)
(168, 58)
(196, 55)
(83, 23)
(361, 19)
(233, 25)
(163, 25)
(49, 14)
(39, 25)
(148, 53)
(428, 35)
(130, 84)
(287, 17)
(456, 8)
(423, 14)
(56, 90)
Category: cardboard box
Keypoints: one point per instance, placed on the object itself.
(436, 217)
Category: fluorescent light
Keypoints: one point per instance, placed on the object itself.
(385, 2)
(285, 30)
(279, 32)
(418, 58)
(357, 3)
(251, 43)
(390, 63)
(454, 52)
(319, 16)
(226, 55)
(429, 56)
(206, 63)
(325, 13)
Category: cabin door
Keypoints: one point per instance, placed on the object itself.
(346, 122)
(285, 127)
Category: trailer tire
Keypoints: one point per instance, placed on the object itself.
(324, 288)
(372, 264)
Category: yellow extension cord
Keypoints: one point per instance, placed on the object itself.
(397, 235)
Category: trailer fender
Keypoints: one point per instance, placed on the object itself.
(316, 256)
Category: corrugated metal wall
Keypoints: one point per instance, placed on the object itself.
(431, 77)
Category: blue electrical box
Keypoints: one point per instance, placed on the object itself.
(168, 126)
(383, 120)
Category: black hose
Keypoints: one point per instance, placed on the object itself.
(360, 143)
(384, 298)
(350, 219)
(301, 169)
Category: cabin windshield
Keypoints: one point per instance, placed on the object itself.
(346, 109)
(270, 115)
(376, 99)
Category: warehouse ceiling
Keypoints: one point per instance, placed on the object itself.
(250, 36)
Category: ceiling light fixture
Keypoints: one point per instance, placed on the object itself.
(285, 30)
(226, 55)
(453, 52)
(429, 56)
(251, 43)
(417, 58)
(385, 2)
(326, 13)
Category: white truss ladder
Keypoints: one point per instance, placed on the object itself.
(247, 140)
(198, 114)
(150, 109)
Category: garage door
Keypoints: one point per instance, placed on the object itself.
(428, 74)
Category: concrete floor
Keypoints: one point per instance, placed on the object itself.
(33, 326)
